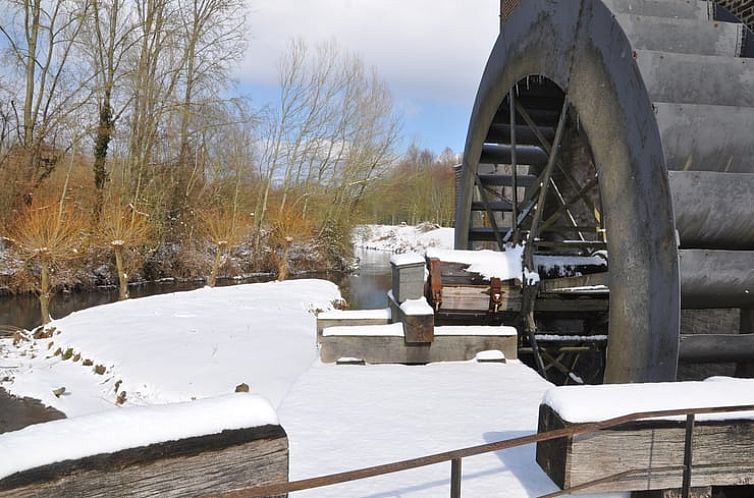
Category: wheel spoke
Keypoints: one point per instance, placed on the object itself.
(547, 147)
(546, 174)
(581, 193)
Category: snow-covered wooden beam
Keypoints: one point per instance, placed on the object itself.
(722, 443)
(179, 450)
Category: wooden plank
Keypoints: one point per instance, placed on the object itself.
(575, 304)
(722, 454)
(477, 298)
(322, 324)
(190, 467)
(570, 284)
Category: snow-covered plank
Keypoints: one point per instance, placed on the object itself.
(391, 330)
(377, 314)
(579, 404)
(351, 318)
(723, 443)
(407, 259)
(475, 330)
(505, 265)
(184, 449)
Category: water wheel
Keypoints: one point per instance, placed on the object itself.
(616, 136)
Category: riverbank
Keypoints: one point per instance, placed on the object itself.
(172, 347)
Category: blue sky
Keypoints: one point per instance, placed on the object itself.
(430, 52)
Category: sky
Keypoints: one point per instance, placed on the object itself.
(430, 52)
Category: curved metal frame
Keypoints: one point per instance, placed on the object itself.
(580, 47)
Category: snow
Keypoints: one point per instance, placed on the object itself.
(116, 430)
(584, 289)
(556, 338)
(554, 262)
(476, 330)
(175, 347)
(577, 404)
(378, 314)
(504, 265)
(417, 307)
(391, 330)
(407, 259)
(490, 355)
(339, 418)
(203, 343)
(402, 238)
(531, 277)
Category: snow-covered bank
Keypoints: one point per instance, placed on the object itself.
(342, 418)
(402, 238)
(173, 347)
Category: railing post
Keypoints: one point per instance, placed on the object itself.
(688, 455)
(455, 478)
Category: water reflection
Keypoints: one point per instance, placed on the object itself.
(364, 289)
(367, 287)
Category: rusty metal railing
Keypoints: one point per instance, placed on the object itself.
(456, 456)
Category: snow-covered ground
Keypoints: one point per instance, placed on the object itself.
(402, 238)
(204, 343)
(173, 347)
(344, 417)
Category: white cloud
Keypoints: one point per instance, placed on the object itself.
(426, 49)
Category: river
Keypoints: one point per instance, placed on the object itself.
(362, 289)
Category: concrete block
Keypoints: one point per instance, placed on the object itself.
(408, 281)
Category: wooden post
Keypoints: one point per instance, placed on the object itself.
(688, 455)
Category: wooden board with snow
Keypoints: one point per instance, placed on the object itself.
(722, 444)
(178, 450)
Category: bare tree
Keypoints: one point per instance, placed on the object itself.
(212, 33)
(111, 34)
(41, 36)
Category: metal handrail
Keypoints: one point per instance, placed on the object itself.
(455, 456)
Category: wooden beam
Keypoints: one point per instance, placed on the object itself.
(572, 284)
(190, 467)
(654, 445)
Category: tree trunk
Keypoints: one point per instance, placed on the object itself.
(212, 280)
(283, 263)
(101, 145)
(32, 35)
(44, 293)
(122, 275)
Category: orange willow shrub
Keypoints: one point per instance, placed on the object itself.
(123, 228)
(44, 237)
(224, 229)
